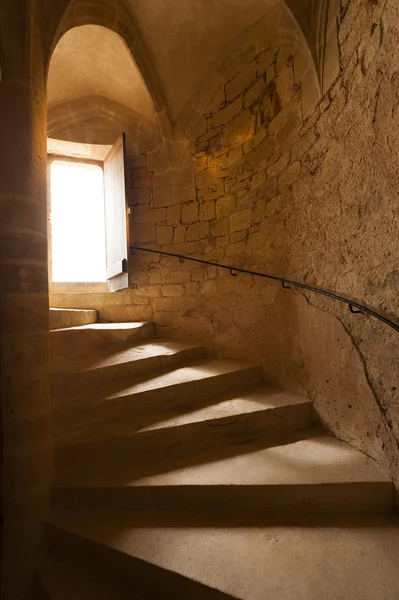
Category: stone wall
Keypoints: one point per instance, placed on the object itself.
(313, 199)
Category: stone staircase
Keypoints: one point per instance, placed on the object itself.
(180, 476)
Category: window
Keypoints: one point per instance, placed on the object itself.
(78, 223)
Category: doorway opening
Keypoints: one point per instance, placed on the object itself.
(78, 222)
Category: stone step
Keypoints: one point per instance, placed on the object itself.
(68, 581)
(302, 472)
(129, 398)
(350, 557)
(67, 344)
(88, 373)
(61, 318)
(140, 580)
(237, 419)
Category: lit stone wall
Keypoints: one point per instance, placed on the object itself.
(312, 198)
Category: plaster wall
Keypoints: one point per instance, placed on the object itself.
(312, 197)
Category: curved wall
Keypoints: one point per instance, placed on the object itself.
(313, 198)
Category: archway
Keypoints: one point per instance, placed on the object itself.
(95, 92)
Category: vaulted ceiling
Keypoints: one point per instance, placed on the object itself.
(181, 40)
(94, 61)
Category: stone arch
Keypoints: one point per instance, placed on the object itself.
(113, 15)
(80, 110)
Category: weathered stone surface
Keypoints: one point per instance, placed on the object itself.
(197, 231)
(240, 129)
(207, 211)
(189, 213)
(164, 234)
(145, 214)
(240, 220)
(305, 198)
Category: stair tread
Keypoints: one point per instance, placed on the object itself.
(339, 557)
(102, 358)
(201, 370)
(73, 310)
(264, 398)
(105, 327)
(299, 460)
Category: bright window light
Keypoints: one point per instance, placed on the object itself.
(78, 223)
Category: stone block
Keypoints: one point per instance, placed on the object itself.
(285, 83)
(163, 305)
(139, 196)
(151, 291)
(191, 288)
(240, 129)
(207, 211)
(197, 231)
(238, 236)
(206, 179)
(234, 156)
(145, 214)
(258, 211)
(218, 191)
(234, 249)
(240, 220)
(241, 81)
(142, 182)
(219, 227)
(158, 275)
(181, 249)
(181, 276)
(289, 176)
(271, 103)
(173, 214)
(227, 113)
(255, 92)
(201, 162)
(144, 232)
(197, 274)
(179, 234)
(189, 213)
(215, 254)
(172, 290)
(218, 100)
(258, 179)
(271, 73)
(222, 242)
(254, 142)
(164, 235)
(225, 206)
(278, 166)
(185, 304)
(210, 141)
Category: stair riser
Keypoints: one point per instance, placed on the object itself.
(68, 386)
(211, 499)
(60, 319)
(146, 579)
(173, 397)
(148, 447)
(64, 344)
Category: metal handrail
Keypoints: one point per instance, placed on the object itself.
(354, 307)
